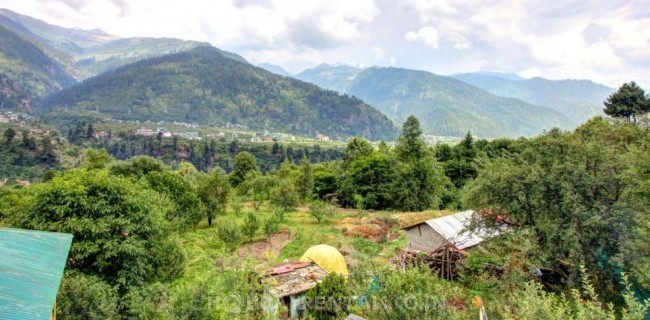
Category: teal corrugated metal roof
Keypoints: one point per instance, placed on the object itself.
(31, 267)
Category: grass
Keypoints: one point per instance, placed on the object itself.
(204, 247)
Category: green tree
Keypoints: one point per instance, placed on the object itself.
(285, 196)
(271, 226)
(244, 164)
(318, 210)
(9, 135)
(372, 177)
(628, 102)
(213, 191)
(443, 152)
(116, 223)
(230, 234)
(250, 227)
(356, 148)
(419, 182)
(419, 185)
(305, 181)
(325, 183)
(411, 147)
(573, 180)
(85, 297)
(90, 131)
(136, 167)
(329, 299)
(96, 159)
(188, 210)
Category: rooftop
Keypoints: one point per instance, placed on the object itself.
(31, 269)
(453, 228)
(291, 278)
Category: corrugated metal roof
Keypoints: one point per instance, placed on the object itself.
(451, 227)
(31, 267)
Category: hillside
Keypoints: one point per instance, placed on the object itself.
(27, 74)
(579, 100)
(203, 86)
(85, 53)
(449, 107)
(332, 77)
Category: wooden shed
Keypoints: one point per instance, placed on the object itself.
(432, 234)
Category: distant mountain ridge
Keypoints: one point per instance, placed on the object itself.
(272, 68)
(85, 53)
(333, 77)
(579, 100)
(203, 86)
(449, 107)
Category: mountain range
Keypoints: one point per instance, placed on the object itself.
(203, 86)
(488, 104)
(449, 107)
(577, 99)
(73, 72)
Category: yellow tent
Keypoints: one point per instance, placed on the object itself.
(328, 258)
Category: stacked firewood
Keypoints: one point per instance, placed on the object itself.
(445, 261)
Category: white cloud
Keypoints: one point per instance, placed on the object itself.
(606, 41)
(427, 35)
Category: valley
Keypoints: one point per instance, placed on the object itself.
(154, 177)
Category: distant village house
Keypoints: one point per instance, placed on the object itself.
(144, 132)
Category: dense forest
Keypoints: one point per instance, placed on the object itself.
(27, 74)
(26, 156)
(203, 86)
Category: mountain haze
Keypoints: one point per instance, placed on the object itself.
(273, 68)
(85, 53)
(449, 107)
(203, 86)
(577, 99)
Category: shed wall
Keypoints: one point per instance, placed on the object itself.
(422, 237)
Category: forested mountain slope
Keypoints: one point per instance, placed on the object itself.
(577, 99)
(203, 86)
(332, 77)
(27, 74)
(446, 106)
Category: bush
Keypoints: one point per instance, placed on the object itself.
(230, 234)
(251, 225)
(86, 298)
(318, 210)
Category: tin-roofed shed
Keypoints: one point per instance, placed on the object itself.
(31, 268)
(432, 234)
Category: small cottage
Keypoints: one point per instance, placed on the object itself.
(432, 234)
(288, 283)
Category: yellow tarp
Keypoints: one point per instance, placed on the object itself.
(328, 258)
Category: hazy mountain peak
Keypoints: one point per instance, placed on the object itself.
(497, 74)
(273, 68)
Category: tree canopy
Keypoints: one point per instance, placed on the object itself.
(629, 102)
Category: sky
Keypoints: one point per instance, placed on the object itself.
(607, 41)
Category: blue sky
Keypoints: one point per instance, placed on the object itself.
(605, 41)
